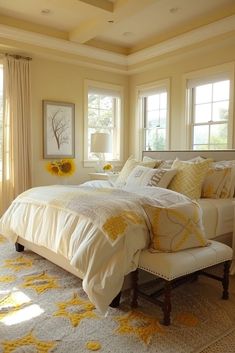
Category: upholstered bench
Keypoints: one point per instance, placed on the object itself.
(175, 268)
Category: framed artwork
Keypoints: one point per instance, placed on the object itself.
(58, 120)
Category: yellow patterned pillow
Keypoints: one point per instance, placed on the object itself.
(176, 227)
(128, 167)
(189, 177)
(215, 181)
(229, 185)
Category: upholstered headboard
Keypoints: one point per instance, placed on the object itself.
(216, 155)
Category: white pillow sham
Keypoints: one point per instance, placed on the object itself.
(143, 176)
(130, 164)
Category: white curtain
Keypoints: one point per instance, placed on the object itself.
(16, 158)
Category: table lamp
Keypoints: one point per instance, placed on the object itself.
(100, 144)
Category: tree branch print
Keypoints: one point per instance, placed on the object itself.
(59, 127)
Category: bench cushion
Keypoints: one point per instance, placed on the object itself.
(173, 265)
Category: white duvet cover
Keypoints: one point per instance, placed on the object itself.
(100, 230)
(217, 216)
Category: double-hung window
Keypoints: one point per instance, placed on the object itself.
(154, 116)
(103, 114)
(209, 112)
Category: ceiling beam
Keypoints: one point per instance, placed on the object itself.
(122, 9)
(101, 4)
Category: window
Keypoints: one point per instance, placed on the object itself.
(209, 107)
(1, 117)
(154, 116)
(104, 110)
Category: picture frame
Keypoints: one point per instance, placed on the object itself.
(59, 129)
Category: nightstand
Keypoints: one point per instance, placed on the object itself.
(103, 176)
(98, 176)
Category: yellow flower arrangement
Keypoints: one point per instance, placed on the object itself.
(63, 167)
(108, 167)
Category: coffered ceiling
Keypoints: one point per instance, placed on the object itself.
(116, 31)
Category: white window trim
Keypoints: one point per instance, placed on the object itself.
(227, 69)
(139, 114)
(102, 85)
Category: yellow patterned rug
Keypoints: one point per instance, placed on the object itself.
(43, 309)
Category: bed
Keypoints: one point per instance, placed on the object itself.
(47, 221)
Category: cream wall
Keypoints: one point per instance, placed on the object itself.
(64, 82)
(174, 67)
(52, 80)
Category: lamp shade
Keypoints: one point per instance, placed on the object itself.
(101, 142)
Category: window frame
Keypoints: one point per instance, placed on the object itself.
(89, 84)
(200, 77)
(140, 113)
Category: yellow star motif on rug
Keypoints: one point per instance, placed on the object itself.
(7, 279)
(76, 309)
(28, 340)
(18, 264)
(139, 324)
(40, 283)
(2, 239)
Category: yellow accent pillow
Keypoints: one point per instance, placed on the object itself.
(176, 227)
(158, 162)
(229, 185)
(189, 177)
(128, 167)
(215, 181)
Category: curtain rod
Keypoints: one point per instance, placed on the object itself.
(15, 56)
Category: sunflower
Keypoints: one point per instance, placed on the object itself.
(61, 167)
(53, 168)
(67, 167)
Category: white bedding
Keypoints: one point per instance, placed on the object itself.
(217, 216)
(69, 220)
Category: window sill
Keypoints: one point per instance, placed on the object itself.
(93, 164)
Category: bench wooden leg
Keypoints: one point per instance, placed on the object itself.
(225, 280)
(134, 280)
(19, 247)
(167, 304)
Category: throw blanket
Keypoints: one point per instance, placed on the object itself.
(99, 230)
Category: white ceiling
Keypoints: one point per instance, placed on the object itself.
(135, 22)
(123, 36)
(156, 19)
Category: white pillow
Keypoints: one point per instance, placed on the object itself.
(142, 176)
(128, 167)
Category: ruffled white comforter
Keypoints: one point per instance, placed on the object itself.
(99, 230)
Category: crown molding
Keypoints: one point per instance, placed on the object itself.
(181, 41)
(45, 41)
(110, 61)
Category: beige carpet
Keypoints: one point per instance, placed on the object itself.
(223, 345)
(44, 309)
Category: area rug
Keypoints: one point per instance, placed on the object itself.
(224, 345)
(43, 309)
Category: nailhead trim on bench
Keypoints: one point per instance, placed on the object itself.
(184, 273)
